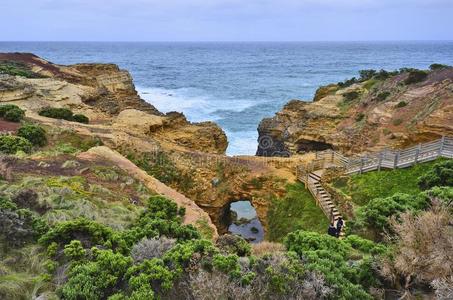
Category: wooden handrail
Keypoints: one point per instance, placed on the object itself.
(390, 159)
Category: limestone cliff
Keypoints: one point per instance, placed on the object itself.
(403, 108)
(104, 93)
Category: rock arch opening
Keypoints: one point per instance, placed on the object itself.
(240, 218)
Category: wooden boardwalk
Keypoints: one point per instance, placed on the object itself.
(310, 174)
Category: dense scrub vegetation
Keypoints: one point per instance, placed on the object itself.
(96, 233)
(10, 144)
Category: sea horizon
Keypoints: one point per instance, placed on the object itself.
(238, 83)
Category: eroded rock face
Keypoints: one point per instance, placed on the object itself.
(363, 117)
(107, 96)
(100, 86)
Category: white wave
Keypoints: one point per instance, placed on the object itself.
(242, 143)
(197, 106)
(194, 103)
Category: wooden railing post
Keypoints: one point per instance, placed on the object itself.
(417, 152)
(395, 162)
(442, 142)
(361, 165)
(380, 160)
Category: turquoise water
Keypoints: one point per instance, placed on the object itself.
(238, 84)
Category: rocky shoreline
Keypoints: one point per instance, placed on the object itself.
(378, 110)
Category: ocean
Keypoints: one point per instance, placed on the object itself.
(236, 84)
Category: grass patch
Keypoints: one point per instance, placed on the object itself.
(296, 211)
(370, 83)
(17, 69)
(365, 187)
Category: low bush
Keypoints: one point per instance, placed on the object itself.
(57, 113)
(64, 114)
(382, 96)
(330, 257)
(151, 248)
(11, 113)
(360, 117)
(351, 96)
(416, 76)
(10, 144)
(7, 107)
(81, 119)
(401, 104)
(376, 214)
(18, 226)
(14, 115)
(441, 174)
(435, 67)
(34, 134)
(233, 244)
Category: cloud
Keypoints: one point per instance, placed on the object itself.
(225, 19)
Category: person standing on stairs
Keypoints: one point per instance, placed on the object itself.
(332, 231)
(339, 226)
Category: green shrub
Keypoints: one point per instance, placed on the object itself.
(350, 96)
(382, 96)
(10, 144)
(233, 244)
(18, 226)
(329, 256)
(441, 174)
(97, 279)
(367, 74)
(348, 82)
(360, 117)
(415, 76)
(64, 114)
(81, 119)
(57, 113)
(434, 67)
(34, 134)
(74, 250)
(91, 232)
(17, 69)
(14, 114)
(376, 214)
(7, 107)
(401, 104)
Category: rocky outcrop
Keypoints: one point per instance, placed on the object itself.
(101, 86)
(365, 116)
(104, 93)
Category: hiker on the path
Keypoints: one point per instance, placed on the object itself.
(332, 231)
(339, 225)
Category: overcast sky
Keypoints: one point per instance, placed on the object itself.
(225, 20)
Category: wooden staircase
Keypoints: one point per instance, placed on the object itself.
(310, 174)
(323, 198)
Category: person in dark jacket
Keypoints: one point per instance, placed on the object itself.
(332, 230)
(339, 225)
